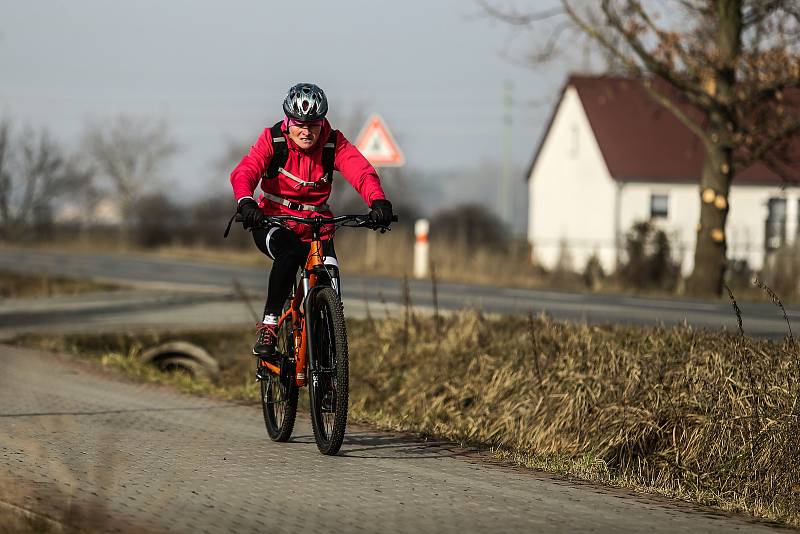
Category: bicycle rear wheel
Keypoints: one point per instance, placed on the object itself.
(328, 390)
(279, 393)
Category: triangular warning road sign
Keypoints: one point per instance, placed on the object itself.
(377, 144)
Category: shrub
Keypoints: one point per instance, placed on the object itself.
(155, 220)
(649, 263)
(470, 226)
(593, 274)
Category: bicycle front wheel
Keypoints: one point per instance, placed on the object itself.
(279, 393)
(328, 390)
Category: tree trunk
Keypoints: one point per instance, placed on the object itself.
(710, 250)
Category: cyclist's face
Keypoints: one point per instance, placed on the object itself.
(304, 135)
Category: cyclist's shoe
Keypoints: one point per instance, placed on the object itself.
(265, 343)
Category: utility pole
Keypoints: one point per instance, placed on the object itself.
(504, 191)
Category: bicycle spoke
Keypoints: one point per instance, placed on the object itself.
(329, 397)
(279, 395)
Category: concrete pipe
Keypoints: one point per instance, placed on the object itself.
(182, 356)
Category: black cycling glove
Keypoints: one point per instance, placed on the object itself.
(252, 216)
(381, 212)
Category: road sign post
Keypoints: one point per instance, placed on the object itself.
(378, 145)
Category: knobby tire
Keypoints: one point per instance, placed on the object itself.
(329, 397)
(279, 401)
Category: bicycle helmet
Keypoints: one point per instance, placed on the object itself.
(305, 102)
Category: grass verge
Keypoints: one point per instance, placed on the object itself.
(702, 416)
(18, 285)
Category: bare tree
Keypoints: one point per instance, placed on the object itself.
(5, 173)
(35, 173)
(130, 152)
(727, 69)
(231, 155)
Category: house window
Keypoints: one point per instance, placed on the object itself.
(659, 206)
(775, 230)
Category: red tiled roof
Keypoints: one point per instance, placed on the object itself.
(641, 140)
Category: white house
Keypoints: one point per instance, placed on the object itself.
(611, 157)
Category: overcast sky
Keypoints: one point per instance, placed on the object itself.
(218, 71)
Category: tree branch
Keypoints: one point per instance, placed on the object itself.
(784, 134)
(757, 14)
(783, 170)
(670, 105)
(520, 19)
(694, 91)
(648, 20)
(548, 50)
(667, 103)
(769, 92)
(592, 32)
(698, 7)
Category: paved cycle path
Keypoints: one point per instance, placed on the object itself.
(81, 446)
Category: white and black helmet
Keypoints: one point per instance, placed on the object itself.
(305, 102)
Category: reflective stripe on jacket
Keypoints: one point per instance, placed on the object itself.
(307, 166)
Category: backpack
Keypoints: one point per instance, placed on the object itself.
(280, 153)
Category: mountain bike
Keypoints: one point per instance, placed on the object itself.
(311, 346)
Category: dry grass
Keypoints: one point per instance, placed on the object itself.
(17, 285)
(120, 351)
(702, 416)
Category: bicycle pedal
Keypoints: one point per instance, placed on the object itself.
(262, 373)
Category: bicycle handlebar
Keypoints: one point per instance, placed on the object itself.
(360, 220)
(364, 219)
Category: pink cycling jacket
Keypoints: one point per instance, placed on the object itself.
(307, 166)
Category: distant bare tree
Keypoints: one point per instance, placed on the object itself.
(470, 225)
(35, 173)
(130, 152)
(231, 155)
(728, 69)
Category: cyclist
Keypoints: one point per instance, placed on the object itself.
(293, 162)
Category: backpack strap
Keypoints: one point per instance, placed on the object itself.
(280, 152)
(328, 157)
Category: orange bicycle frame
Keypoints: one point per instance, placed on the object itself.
(297, 317)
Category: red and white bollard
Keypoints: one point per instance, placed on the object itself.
(421, 249)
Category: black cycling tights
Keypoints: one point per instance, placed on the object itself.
(288, 254)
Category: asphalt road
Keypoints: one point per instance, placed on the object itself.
(84, 448)
(760, 319)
